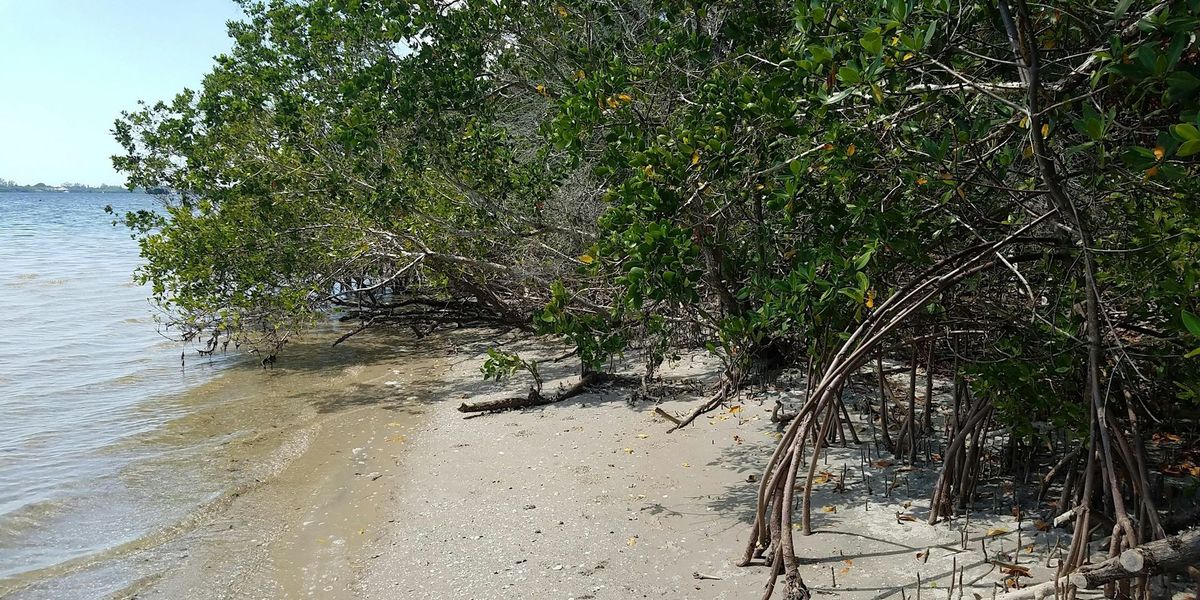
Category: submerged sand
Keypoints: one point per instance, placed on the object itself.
(399, 496)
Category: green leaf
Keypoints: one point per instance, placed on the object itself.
(929, 34)
(820, 54)
(1181, 83)
(872, 42)
(1189, 148)
(1192, 322)
(838, 97)
(1186, 131)
(860, 261)
(849, 75)
(1119, 13)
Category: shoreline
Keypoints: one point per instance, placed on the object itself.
(303, 531)
(233, 444)
(396, 495)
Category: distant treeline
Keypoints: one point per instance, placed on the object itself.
(12, 186)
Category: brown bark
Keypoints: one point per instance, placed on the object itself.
(1168, 555)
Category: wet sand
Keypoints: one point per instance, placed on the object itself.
(303, 531)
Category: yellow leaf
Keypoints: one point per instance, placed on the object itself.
(648, 171)
(541, 89)
(822, 477)
(922, 181)
(628, 450)
(1028, 151)
(580, 75)
(871, 298)
(828, 509)
(562, 12)
(850, 150)
(1151, 172)
(995, 532)
(1045, 130)
(587, 259)
(625, 97)
(1024, 124)
(827, 146)
(1159, 152)
(735, 409)
(907, 56)
(695, 157)
(612, 102)
(642, 436)
(632, 540)
(686, 465)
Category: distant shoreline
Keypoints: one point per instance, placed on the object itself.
(107, 189)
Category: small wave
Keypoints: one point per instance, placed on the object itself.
(128, 380)
(288, 450)
(20, 520)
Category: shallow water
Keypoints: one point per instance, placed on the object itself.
(79, 356)
(109, 443)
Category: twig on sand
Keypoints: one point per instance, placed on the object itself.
(666, 415)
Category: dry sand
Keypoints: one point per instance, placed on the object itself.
(587, 498)
(591, 498)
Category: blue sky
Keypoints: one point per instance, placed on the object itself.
(69, 67)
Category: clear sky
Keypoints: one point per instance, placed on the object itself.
(69, 67)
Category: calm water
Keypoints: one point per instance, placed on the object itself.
(84, 375)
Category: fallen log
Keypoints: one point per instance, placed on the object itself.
(534, 398)
(1171, 554)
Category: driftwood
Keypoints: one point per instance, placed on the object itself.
(1172, 554)
(1035, 592)
(534, 398)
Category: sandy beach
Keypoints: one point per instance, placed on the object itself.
(399, 496)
